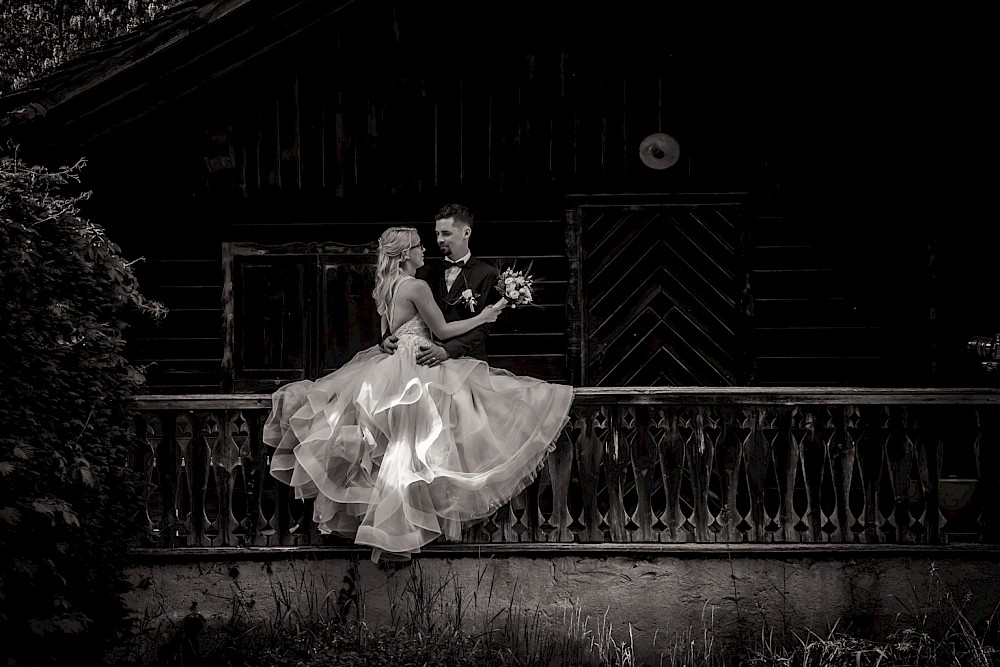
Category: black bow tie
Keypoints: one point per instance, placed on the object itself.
(449, 263)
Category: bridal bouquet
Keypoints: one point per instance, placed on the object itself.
(515, 286)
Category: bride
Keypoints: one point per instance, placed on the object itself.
(396, 454)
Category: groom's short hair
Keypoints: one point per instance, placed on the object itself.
(460, 214)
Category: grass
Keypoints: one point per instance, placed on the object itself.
(436, 622)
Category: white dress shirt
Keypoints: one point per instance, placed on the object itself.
(451, 273)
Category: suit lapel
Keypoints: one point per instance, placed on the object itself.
(442, 286)
(461, 280)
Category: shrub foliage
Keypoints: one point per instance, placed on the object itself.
(68, 499)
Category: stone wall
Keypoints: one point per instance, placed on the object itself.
(730, 592)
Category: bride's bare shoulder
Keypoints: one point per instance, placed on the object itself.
(414, 288)
(414, 284)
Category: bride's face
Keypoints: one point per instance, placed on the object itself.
(416, 251)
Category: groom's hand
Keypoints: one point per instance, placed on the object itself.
(389, 344)
(431, 355)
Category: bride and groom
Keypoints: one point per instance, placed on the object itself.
(418, 434)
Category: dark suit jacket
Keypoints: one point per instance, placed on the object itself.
(481, 278)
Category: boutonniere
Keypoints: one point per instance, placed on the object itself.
(469, 299)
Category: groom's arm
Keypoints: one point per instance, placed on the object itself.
(459, 346)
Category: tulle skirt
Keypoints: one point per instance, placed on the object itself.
(396, 454)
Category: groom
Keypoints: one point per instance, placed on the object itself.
(462, 286)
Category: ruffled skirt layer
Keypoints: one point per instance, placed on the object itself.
(396, 454)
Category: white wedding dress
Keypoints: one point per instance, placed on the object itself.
(396, 454)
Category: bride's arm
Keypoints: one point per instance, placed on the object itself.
(423, 300)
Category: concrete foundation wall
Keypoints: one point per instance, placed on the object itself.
(659, 595)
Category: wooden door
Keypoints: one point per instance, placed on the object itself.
(663, 294)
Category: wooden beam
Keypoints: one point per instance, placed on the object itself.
(606, 550)
(789, 396)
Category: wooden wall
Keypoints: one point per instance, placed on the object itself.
(392, 110)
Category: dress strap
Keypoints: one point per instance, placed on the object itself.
(392, 300)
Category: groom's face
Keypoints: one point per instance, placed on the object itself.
(452, 239)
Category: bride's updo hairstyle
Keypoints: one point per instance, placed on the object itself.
(393, 249)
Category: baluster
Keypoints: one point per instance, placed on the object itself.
(198, 470)
(626, 428)
(715, 432)
(655, 433)
(811, 450)
(886, 489)
(489, 530)
(857, 498)
(771, 423)
(589, 453)
(760, 453)
(787, 460)
(616, 460)
(519, 506)
(916, 493)
(871, 470)
(899, 456)
(225, 458)
(671, 452)
(238, 435)
(531, 519)
(284, 525)
(253, 456)
(560, 467)
(643, 454)
(828, 494)
(701, 455)
(308, 531)
(267, 490)
(183, 437)
(502, 522)
(842, 455)
(510, 514)
(751, 421)
(159, 485)
(288, 525)
(169, 478)
(213, 496)
(798, 496)
(729, 470)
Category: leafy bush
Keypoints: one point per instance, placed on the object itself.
(67, 495)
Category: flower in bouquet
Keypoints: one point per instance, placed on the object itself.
(515, 287)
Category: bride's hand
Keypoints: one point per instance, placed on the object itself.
(491, 313)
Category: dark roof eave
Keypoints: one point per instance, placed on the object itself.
(99, 67)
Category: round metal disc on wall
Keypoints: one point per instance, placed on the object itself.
(659, 151)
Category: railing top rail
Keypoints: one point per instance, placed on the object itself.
(734, 396)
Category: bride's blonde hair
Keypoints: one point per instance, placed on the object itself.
(393, 249)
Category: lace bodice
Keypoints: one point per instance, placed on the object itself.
(413, 332)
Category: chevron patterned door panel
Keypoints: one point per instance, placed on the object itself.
(661, 298)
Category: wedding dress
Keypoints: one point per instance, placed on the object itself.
(396, 454)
